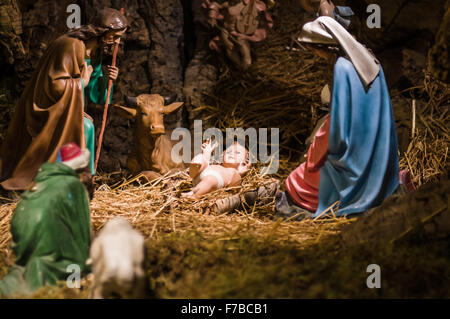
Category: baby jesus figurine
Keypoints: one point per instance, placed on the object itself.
(208, 178)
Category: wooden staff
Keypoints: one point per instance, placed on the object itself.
(105, 110)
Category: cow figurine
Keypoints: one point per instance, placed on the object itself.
(117, 260)
(151, 153)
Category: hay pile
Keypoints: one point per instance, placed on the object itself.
(156, 208)
(6, 211)
(428, 152)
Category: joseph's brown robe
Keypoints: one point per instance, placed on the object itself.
(48, 115)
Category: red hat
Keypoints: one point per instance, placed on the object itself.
(74, 157)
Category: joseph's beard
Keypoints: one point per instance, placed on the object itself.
(107, 48)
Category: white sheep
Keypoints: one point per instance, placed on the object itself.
(117, 260)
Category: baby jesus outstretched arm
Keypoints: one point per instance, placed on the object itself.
(208, 178)
(201, 161)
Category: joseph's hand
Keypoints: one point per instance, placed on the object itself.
(112, 72)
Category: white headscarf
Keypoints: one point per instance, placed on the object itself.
(326, 30)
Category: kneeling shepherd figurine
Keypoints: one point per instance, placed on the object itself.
(51, 225)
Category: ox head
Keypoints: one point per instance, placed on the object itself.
(149, 110)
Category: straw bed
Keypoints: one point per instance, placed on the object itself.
(156, 209)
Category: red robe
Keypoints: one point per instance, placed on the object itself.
(303, 182)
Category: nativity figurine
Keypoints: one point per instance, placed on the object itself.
(240, 23)
(50, 112)
(352, 161)
(51, 226)
(207, 177)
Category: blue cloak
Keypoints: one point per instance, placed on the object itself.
(361, 169)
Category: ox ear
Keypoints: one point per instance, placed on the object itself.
(172, 107)
(126, 112)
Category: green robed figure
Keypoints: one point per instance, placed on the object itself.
(51, 225)
(50, 112)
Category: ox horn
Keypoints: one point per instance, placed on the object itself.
(169, 99)
(131, 101)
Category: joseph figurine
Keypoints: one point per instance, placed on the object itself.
(50, 112)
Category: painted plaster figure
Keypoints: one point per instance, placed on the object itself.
(327, 8)
(240, 23)
(321, 7)
(117, 260)
(50, 111)
(152, 147)
(208, 178)
(51, 225)
(353, 159)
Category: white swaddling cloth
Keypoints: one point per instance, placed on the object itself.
(210, 172)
